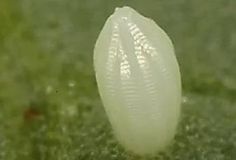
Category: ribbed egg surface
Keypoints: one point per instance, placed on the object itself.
(138, 80)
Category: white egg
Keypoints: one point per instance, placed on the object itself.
(138, 80)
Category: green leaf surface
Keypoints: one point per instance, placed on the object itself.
(49, 103)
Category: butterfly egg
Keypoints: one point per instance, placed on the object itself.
(138, 80)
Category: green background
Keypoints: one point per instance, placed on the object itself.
(49, 104)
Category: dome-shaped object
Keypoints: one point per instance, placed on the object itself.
(139, 81)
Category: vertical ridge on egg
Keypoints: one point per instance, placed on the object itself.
(138, 80)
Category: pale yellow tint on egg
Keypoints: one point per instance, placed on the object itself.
(138, 80)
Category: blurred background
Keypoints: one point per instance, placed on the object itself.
(49, 104)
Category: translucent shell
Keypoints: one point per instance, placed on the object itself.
(138, 80)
